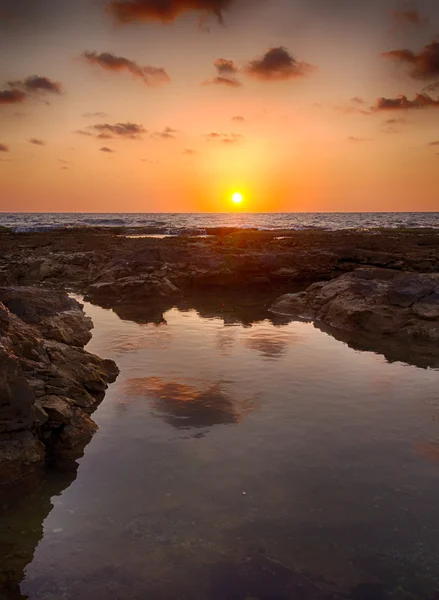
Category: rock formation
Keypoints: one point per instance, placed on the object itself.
(378, 301)
(48, 383)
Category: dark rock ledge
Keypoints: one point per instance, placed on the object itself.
(49, 385)
(373, 301)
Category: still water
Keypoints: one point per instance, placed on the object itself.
(240, 460)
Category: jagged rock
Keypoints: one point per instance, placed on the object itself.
(373, 300)
(48, 382)
(57, 409)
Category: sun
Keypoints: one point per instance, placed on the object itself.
(237, 198)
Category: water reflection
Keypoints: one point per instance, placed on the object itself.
(186, 406)
(21, 526)
(271, 344)
(311, 483)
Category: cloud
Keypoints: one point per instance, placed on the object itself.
(403, 103)
(165, 11)
(396, 121)
(230, 82)
(352, 138)
(130, 131)
(238, 119)
(225, 66)
(94, 115)
(12, 96)
(434, 143)
(224, 138)
(37, 84)
(407, 16)
(110, 62)
(82, 132)
(167, 133)
(424, 65)
(277, 64)
(63, 161)
(105, 149)
(4, 148)
(358, 101)
(37, 142)
(189, 152)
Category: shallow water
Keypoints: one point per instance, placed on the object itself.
(267, 461)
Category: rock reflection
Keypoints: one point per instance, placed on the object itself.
(21, 526)
(186, 406)
(419, 353)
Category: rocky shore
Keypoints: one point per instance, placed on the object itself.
(363, 287)
(49, 385)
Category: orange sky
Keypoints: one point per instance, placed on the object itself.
(123, 106)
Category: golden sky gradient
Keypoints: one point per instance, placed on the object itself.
(174, 105)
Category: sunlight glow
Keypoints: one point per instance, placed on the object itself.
(237, 198)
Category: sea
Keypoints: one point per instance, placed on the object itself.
(199, 223)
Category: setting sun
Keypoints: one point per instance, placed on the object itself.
(237, 198)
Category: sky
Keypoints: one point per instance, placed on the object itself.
(175, 105)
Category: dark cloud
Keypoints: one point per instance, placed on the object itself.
(352, 138)
(403, 103)
(225, 66)
(94, 115)
(123, 130)
(4, 148)
(277, 64)
(424, 65)
(434, 143)
(148, 74)
(37, 142)
(408, 16)
(105, 149)
(166, 11)
(12, 96)
(229, 82)
(238, 119)
(37, 84)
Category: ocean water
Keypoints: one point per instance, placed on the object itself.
(239, 455)
(197, 223)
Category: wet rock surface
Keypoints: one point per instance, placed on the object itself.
(48, 382)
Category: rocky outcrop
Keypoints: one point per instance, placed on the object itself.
(48, 382)
(378, 301)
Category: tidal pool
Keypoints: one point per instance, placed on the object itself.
(240, 458)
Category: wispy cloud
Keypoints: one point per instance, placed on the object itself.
(105, 149)
(4, 148)
(110, 62)
(37, 142)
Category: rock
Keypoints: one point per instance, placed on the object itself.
(20, 454)
(133, 289)
(406, 291)
(55, 315)
(58, 410)
(48, 382)
(371, 300)
(16, 396)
